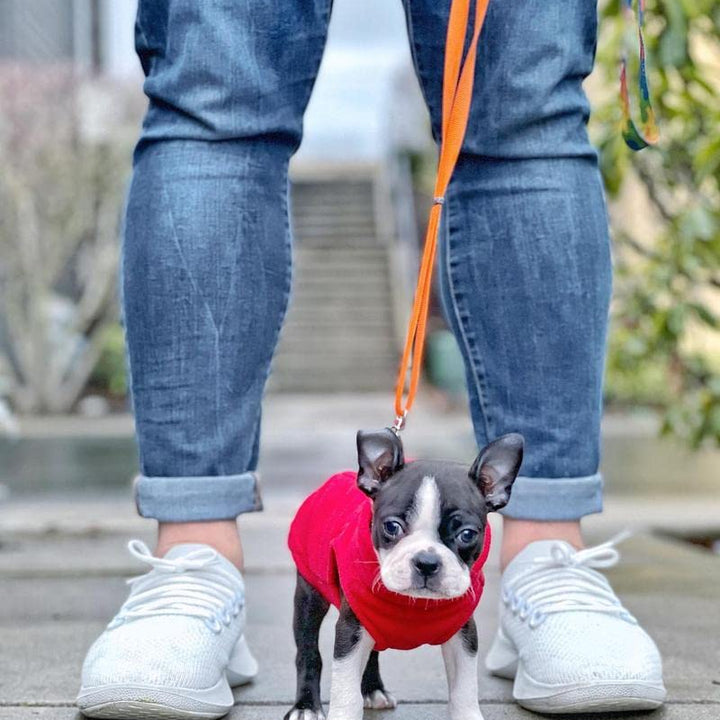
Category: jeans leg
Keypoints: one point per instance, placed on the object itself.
(207, 248)
(525, 267)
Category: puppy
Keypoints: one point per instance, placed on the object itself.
(398, 548)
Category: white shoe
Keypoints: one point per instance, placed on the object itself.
(566, 639)
(177, 644)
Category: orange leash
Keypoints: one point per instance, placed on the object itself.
(458, 77)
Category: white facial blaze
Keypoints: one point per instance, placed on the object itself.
(396, 564)
(427, 509)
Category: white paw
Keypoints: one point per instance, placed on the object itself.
(468, 714)
(380, 700)
(297, 714)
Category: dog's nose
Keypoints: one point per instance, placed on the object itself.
(427, 563)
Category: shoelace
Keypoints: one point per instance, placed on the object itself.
(565, 581)
(182, 586)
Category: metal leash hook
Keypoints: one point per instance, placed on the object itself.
(399, 423)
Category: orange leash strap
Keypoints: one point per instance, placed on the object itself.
(458, 77)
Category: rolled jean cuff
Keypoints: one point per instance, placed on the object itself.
(554, 499)
(197, 499)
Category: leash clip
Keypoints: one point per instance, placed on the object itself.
(399, 423)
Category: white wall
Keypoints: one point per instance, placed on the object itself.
(118, 38)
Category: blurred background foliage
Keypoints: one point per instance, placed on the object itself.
(665, 208)
(65, 146)
(109, 374)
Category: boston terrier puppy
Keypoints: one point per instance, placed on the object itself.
(398, 548)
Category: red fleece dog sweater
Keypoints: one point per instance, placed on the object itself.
(332, 547)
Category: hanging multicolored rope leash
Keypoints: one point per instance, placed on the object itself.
(458, 78)
(636, 139)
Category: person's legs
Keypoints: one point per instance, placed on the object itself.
(206, 278)
(525, 268)
(526, 278)
(206, 261)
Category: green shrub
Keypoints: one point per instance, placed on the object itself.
(664, 346)
(109, 373)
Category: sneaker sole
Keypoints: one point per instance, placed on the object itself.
(125, 702)
(610, 696)
(582, 698)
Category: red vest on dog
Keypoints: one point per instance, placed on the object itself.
(331, 544)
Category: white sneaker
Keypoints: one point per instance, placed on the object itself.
(567, 640)
(177, 644)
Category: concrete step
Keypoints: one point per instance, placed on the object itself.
(330, 213)
(337, 345)
(341, 267)
(362, 223)
(339, 260)
(323, 324)
(337, 188)
(339, 340)
(334, 305)
(308, 193)
(334, 213)
(323, 359)
(357, 253)
(324, 382)
(368, 323)
(337, 240)
(339, 332)
(324, 215)
(362, 286)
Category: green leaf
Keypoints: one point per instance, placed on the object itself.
(699, 222)
(705, 315)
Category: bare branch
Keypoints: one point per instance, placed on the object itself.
(60, 199)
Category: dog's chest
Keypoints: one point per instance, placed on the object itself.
(331, 544)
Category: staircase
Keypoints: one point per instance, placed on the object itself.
(339, 335)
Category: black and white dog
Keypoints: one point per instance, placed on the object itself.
(427, 537)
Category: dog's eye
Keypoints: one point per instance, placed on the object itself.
(467, 536)
(393, 528)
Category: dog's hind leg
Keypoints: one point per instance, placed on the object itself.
(310, 610)
(375, 696)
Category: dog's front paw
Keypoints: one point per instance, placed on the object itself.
(380, 700)
(297, 713)
(470, 713)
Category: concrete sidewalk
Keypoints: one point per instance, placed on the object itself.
(63, 563)
(59, 588)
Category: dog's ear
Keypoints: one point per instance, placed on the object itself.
(496, 468)
(380, 454)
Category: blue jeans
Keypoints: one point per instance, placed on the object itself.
(524, 261)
